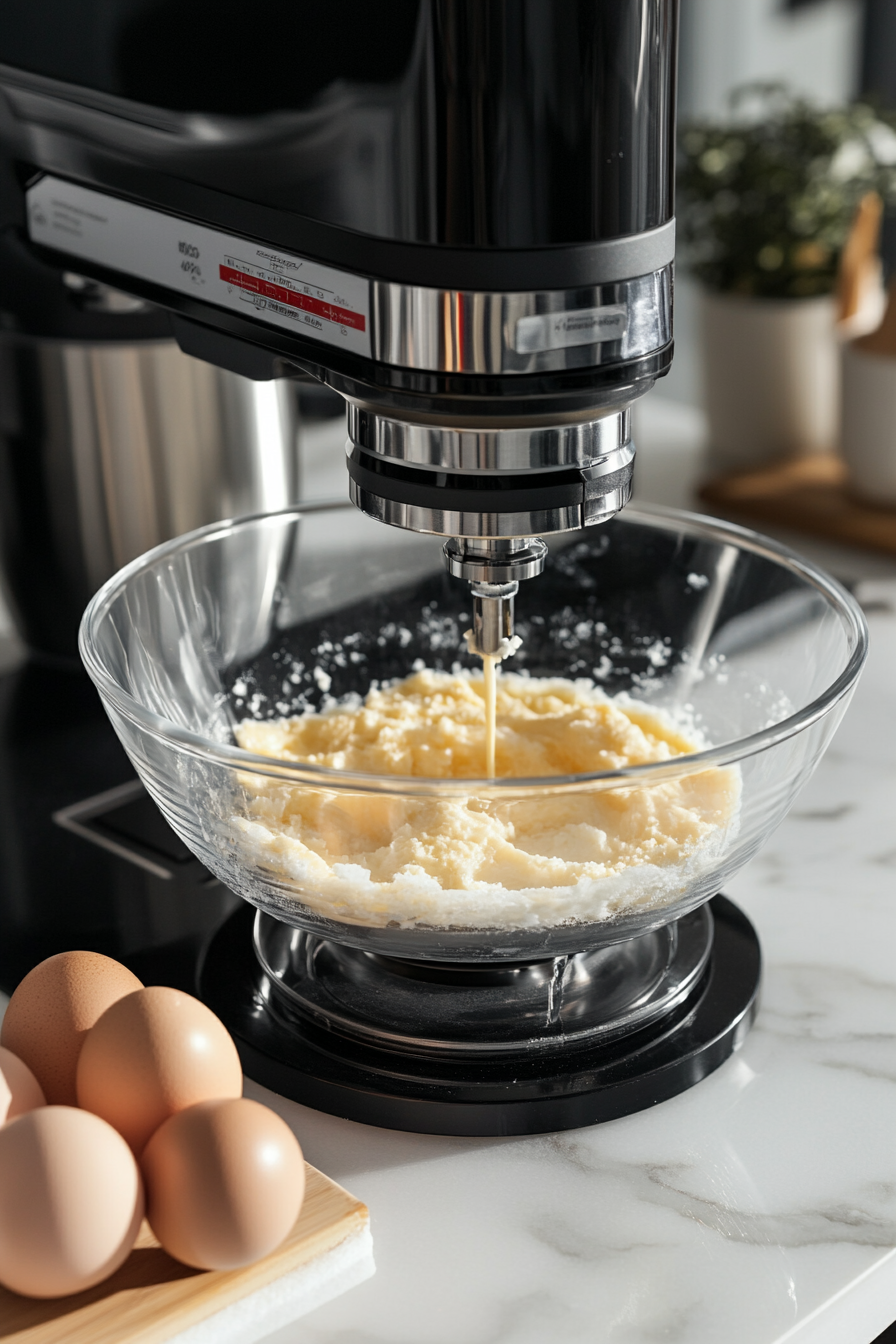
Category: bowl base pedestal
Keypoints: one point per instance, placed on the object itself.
(481, 1050)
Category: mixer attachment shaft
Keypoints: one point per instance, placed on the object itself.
(492, 633)
(493, 567)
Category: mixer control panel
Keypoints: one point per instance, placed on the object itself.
(250, 278)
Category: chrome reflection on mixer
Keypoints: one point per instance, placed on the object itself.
(459, 331)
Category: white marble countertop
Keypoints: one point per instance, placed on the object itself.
(758, 1207)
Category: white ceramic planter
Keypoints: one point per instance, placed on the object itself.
(868, 423)
(771, 378)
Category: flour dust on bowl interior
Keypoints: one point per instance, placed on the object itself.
(447, 952)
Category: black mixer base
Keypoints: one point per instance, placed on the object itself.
(563, 1089)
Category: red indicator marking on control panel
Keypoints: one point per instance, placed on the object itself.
(294, 299)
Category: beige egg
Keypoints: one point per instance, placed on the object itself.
(52, 1010)
(151, 1054)
(19, 1089)
(224, 1182)
(72, 1202)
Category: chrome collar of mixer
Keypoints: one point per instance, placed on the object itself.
(466, 331)
(495, 561)
(592, 441)
(512, 481)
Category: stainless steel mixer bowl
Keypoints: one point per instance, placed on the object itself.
(108, 449)
(274, 614)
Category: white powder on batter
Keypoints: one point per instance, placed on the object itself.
(478, 861)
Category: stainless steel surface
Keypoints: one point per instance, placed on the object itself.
(106, 450)
(459, 1009)
(604, 486)
(600, 440)
(163, 443)
(492, 630)
(498, 561)
(455, 331)
(454, 523)
(601, 503)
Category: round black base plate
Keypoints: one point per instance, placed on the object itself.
(476, 1097)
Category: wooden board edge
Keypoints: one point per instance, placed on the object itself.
(202, 1295)
(221, 1290)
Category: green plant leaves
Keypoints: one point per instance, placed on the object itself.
(766, 199)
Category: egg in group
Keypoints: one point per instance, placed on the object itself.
(118, 1100)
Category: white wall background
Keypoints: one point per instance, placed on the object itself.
(729, 42)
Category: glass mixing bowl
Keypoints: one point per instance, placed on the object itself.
(753, 649)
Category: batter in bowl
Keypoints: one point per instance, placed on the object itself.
(474, 860)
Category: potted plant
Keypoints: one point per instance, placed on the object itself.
(766, 204)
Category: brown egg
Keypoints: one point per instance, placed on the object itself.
(224, 1183)
(151, 1054)
(72, 1202)
(52, 1010)
(19, 1089)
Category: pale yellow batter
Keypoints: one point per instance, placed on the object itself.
(476, 861)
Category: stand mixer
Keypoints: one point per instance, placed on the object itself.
(495, 226)
(459, 216)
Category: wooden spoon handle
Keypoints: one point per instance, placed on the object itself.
(857, 259)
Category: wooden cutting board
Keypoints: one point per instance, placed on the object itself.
(152, 1297)
(808, 494)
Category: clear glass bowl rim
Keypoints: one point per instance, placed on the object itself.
(234, 758)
